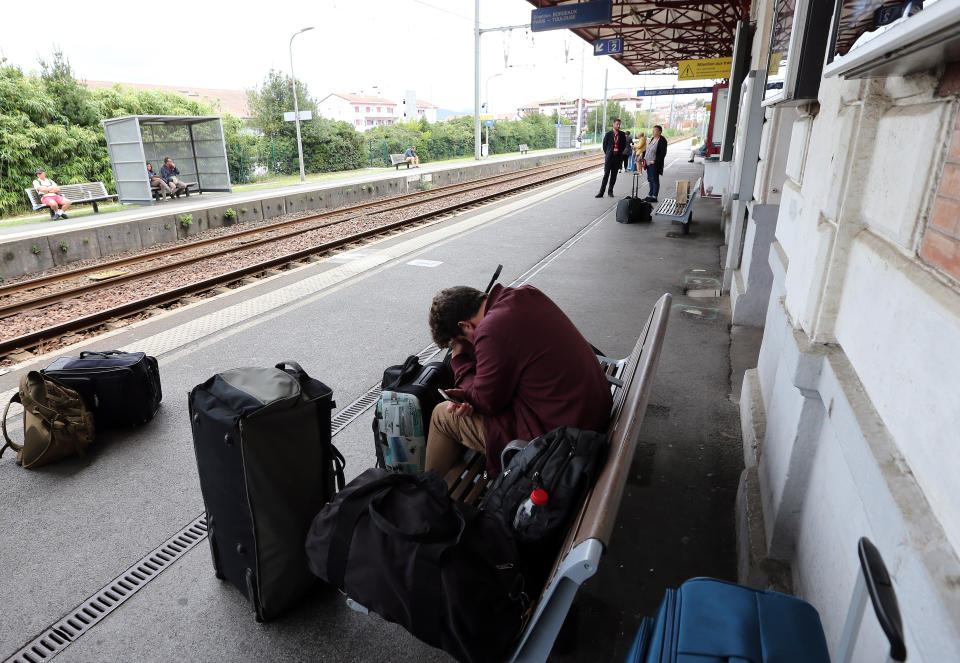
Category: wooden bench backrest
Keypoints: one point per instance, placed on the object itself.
(397, 158)
(597, 516)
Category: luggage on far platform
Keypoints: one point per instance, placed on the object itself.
(122, 389)
(632, 209)
(401, 420)
(267, 467)
(714, 620)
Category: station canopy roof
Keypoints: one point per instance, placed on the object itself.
(659, 33)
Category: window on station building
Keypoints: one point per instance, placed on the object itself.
(358, 123)
(368, 109)
(356, 109)
(379, 109)
(369, 123)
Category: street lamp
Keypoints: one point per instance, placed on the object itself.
(296, 107)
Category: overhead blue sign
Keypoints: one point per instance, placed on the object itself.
(673, 90)
(579, 15)
(608, 46)
(488, 123)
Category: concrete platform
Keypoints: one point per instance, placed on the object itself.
(39, 246)
(72, 527)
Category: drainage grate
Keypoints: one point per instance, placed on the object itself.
(82, 618)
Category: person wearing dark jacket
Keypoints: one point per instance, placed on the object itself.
(614, 145)
(171, 175)
(522, 369)
(655, 155)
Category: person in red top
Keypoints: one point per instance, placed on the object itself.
(522, 369)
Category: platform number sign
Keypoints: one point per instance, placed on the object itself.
(608, 46)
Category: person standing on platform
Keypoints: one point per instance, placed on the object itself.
(614, 143)
(628, 153)
(655, 155)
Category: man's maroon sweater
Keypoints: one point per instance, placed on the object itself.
(530, 371)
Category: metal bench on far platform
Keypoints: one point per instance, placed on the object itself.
(679, 210)
(523, 147)
(88, 192)
(398, 160)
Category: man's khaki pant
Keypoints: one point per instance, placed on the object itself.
(415, 160)
(449, 433)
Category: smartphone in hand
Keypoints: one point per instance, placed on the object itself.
(450, 398)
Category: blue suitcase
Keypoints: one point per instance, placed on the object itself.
(713, 621)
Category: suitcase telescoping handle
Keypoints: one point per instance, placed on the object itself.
(100, 353)
(873, 581)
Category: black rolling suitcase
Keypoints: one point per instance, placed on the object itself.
(267, 467)
(632, 209)
(122, 389)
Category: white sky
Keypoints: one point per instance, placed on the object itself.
(423, 45)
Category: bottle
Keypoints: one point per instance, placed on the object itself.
(538, 497)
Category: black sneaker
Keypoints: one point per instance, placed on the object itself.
(599, 195)
(610, 193)
(63, 215)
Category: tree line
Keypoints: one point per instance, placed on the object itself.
(54, 120)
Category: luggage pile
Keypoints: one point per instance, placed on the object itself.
(65, 403)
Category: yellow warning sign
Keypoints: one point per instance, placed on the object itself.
(696, 70)
(774, 64)
(486, 116)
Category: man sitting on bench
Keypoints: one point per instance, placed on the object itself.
(171, 175)
(50, 194)
(522, 369)
(410, 156)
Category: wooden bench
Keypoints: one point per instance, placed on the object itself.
(155, 189)
(89, 192)
(523, 147)
(398, 160)
(579, 556)
(681, 211)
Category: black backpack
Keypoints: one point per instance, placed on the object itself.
(448, 573)
(564, 462)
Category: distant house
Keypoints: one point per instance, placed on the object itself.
(426, 109)
(361, 110)
(224, 101)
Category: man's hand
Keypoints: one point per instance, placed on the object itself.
(464, 409)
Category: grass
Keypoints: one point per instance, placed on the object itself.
(280, 181)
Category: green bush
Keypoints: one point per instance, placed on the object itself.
(230, 214)
(186, 220)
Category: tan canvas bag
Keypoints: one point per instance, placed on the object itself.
(56, 422)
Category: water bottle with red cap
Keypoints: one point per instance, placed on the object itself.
(538, 498)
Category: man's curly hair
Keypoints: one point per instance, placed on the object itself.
(449, 307)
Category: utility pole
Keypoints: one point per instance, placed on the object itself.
(476, 80)
(604, 127)
(583, 59)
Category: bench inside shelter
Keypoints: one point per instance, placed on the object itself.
(672, 209)
(523, 147)
(155, 189)
(398, 160)
(589, 536)
(88, 192)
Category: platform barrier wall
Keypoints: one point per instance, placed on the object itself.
(33, 255)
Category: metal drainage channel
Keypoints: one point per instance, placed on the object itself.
(91, 611)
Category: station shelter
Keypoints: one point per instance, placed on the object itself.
(841, 217)
(195, 143)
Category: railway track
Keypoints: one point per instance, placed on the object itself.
(33, 302)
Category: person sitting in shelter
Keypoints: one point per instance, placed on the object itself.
(522, 369)
(157, 181)
(50, 194)
(171, 175)
(410, 156)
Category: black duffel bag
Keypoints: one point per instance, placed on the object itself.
(122, 389)
(564, 463)
(448, 573)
